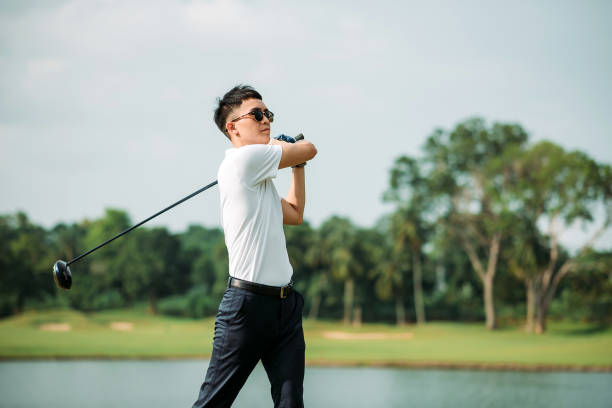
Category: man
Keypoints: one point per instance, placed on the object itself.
(260, 315)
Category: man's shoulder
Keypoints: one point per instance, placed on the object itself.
(251, 154)
(253, 149)
(251, 163)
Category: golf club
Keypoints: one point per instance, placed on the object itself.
(61, 269)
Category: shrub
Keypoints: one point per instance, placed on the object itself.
(196, 303)
(177, 305)
(111, 299)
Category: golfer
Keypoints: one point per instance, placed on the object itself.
(260, 315)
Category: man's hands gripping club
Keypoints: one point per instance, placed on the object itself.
(296, 152)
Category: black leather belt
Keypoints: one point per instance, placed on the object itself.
(277, 291)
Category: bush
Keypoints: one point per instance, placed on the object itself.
(8, 304)
(48, 302)
(111, 299)
(196, 303)
(177, 305)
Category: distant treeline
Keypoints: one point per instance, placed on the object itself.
(474, 236)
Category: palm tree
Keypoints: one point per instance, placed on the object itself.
(410, 230)
(340, 238)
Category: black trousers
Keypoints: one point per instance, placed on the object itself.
(252, 327)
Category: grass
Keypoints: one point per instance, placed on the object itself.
(565, 346)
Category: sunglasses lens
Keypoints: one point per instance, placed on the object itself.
(269, 115)
(258, 115)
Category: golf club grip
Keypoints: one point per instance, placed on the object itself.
(142, 222)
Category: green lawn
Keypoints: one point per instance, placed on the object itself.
(438, 344)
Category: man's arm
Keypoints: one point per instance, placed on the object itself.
(293, 154)
(293, 205)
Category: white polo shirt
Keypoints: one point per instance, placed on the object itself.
(252, 216)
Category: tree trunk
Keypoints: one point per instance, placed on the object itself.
(531, 303)
(400, 311)
(349, 290)
(417, 280)
(541, 314)
(488, 302)
(357, 316)
(545, 291)
(486, 276)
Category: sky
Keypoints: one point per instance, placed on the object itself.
(110, 103)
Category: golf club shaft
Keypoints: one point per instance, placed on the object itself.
(142, 222)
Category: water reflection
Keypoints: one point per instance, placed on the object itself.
(93, 384)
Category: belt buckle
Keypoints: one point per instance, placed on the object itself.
(283, 295)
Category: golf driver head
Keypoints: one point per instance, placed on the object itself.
(62, 275)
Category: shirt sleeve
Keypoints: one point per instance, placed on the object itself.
(257, 163)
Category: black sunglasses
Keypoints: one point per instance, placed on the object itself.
(258, 115)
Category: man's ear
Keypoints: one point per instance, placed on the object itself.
(230, 127)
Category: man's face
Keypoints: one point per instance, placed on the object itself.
(247, 130)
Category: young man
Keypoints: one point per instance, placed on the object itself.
(260, 315)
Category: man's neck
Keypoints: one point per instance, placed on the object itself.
(238, 143)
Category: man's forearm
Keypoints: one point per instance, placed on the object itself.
(297, 193)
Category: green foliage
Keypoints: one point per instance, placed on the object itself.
(472, 205)
(197, 303)
(110, 299)
(25, 263)
(587, 296)
(176, 305)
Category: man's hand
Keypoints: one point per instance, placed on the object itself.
(289, 139)
(296, 153)
(285, 138)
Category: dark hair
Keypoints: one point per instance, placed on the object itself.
(233, 99)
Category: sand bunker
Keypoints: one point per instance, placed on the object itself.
(61, 327)
(122, 326)
(337, 335)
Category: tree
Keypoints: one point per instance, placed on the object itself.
(26, 263)
(8, 233)
(366, 254)
(112, 223)
(200, 248)
(410, 191)
(68, 240)
(525, 255)
(317, 257)
(300, 240)
(148, 266)
(391, 269)
(340, 237)
(472, 194)
(458, 290)
(588, 295)
(557, 189)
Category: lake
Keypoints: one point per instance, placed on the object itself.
(151, 384)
